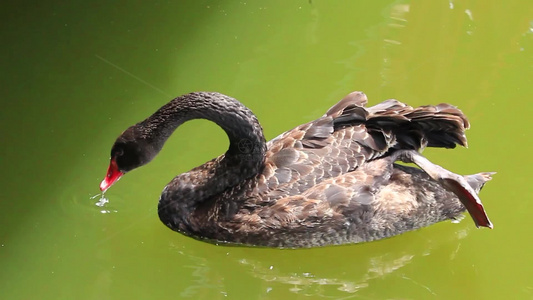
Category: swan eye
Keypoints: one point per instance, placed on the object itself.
(118, 152)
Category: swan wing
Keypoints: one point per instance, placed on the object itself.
(349, 135)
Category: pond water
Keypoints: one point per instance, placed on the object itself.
(74, 76)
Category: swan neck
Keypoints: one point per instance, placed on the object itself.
(197, 190)
(245, 135)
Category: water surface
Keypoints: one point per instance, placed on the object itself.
(74, 76)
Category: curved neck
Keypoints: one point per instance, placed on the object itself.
(246, 140)
(189, 192)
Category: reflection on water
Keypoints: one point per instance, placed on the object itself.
(354, 270)
(199, 269)
(378, 266)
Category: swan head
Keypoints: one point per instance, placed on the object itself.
(130, 151)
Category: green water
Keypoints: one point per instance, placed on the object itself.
(75, 75)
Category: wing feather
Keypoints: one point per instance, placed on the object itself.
(348, 136)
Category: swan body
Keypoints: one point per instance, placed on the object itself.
(330, 181)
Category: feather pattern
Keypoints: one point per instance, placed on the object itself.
(330, 181)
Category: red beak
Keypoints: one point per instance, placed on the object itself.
(113, 175)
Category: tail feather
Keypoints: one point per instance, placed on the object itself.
(440, 125)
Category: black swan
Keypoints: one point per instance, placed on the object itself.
(328, 182)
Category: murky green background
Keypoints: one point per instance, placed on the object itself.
(73, 76)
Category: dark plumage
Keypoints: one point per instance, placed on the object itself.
(330, 181)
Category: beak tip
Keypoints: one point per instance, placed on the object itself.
(112, 176)
(104, 185)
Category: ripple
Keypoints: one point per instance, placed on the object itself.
(102, 201)
(74, 200)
